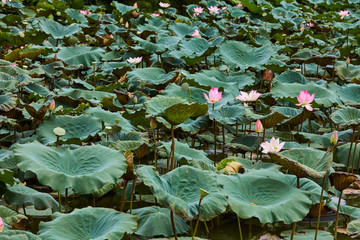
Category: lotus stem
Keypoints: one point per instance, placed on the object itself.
(250, 228)
(173, 224)
(57, 141)
(214, 141)
(223, 133)
(198, 219)
(94, 201)
(24, 209)
(132, 194)
(172, 148)
(310, 130)
(258, 146)
(337, 216)
(353, 160)
(239, 225)
(294, 224)
(352, 140)
(15, 133)
(66, 200)
(155, 153)
(59, 196)
(237, 128)
(123, 196)
(206, 227)
(94, 69)
(319, 214)
(189, 95)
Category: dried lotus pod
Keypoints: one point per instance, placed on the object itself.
(314, 210)
(129, 175)
(124, 98)
(342, 180)
(234, 167)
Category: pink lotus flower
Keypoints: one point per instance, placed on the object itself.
(155, 14)
(273, 146)
(84, 12)
(258, 126)
(153, 124)
(302, 28)
(164, 5)
(214, 96)
(334, 138)
(121, 20)
(127, 25)
(223, 8)
(239, 5)
(135, 6)
(12, 64)
(1, 221)
(51, 106)
(135, 60)
(213, 9)
(347, 61)
(305, 99)
(111, 36)
(198, 11)
(310, 24)
(344, 13)
(196, 33)
(251, 97)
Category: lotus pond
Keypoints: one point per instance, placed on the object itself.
(220, 120)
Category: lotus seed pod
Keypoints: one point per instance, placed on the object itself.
(185, 87)
(59, 131)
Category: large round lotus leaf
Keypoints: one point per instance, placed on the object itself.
(304, 162)
(227, 114)
(342, 155)
(181, 29)
(18, 235)
(348, 73)
(110, 118)
(157, 105)
(350, 93)
(342, 180)
(289, 92)
(21, 195)
(84, 169)
(83, 94)
(194, 125)
(76, 128)
(272, 119)
(353, 228)
(81, 55)
(150, 75)
(184, 154)
(180, 112)
(179, 190)
(239, 54)
(56, 30)
(347, 116)
(9, 216)
(291, 77)
(197, 94)
(296, 119)
(306, 234)
(193, 46)
(148, 216)
(88, 223)
(138, 148)
(7, 102)
(267, 199)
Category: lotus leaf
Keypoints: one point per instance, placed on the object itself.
(342, 154)
(76, 128)
(81, 55)
(347, 116)
(7, 102)
(179, 191)
(139, 148)
(18, 235)
(88, 223)
(271, 201)
(147, 216)
(21, 195)
(304, 162)
(57, 30)
(9, 216)
(353, 228)
(62, 168)
(342, 180)
(239, 54)
(227, 114)
(350, 94)
(306, 234)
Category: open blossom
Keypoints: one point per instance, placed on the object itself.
(273, 146)
(310, 24)
(134, 60)
(305, 99)
(164, 5)
(223, 8)
(135, 6)
(155, 14)
(196, 33)
(251, 97)
(239, 5)
(214, 96)
(344, 13)
(198, 11)
(213, 9)
(258, 126)
(84, 12)
(334, 138)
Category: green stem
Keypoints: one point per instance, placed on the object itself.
(172, 148)
(59, 196)
(173, 224)
(132, 195)
(66, 200)
(214, 141)
(319, 214)
(155, 153)
(352, 140)
(123, 196)
(223, 133)
(258, 146)
(198, 219)
(337, 216)
(189, 95)
(239, 225)
(353, 160)
(206, 227)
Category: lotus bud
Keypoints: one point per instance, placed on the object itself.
(121, 20)
(153, 124)
(108, 128)
(259, 127)
(127, 24)
(203, 193)
(51, 106)
(302, 28)
(93, 63)
(185, 87)
(135, 100)
(59, 131)
(1, 225)
(21, 34)
(348, 61)
(334, 138)
(135, 6)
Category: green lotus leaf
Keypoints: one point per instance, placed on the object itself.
(179, 191)
(306, 234)
(158, 105)
(18, 235)
(153, 77)
(303, 137)
(7, 102)
(180, 112)
(21, 195)
(342, 155)
(299, 118)
(88, 223)
(110, 118)
(268, 200)
(349, 94)
(84, 169)
(347, 73)
(243, 144)
(180, 238)
(137, 118)
(181, 29)
(76, 128)
(173, 89)
(148, 216)
(272, 119)
(347, 116)
(9, 216)
(37, 111)
(227, 114)
(57, 30)
(138, 148)
(6, 175)
(353, 228)
(304, 162)
(186, 155)
(83, 94)
(81, 55)
(289, 92)
(239, 54)
(194, 125)
(122, 8)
